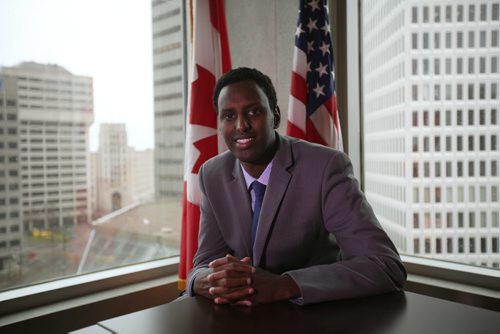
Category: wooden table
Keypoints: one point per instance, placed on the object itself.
(401, 313)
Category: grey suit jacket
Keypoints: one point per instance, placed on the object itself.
(315, 224)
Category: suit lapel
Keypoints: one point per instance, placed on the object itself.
(275, 191)
(243, 210)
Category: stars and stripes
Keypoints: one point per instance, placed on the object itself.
(312, 112)
(210, 58)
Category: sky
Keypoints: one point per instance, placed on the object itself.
(108, 40)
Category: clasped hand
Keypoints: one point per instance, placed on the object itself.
(229, 280)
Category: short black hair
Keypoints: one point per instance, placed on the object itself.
(244, 74)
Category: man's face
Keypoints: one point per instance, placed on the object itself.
(247, 123)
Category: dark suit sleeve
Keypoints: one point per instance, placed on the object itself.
(370, 263)
(211, 244)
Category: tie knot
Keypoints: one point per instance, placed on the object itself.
(258, 188)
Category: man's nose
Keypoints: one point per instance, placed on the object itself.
(242, 123)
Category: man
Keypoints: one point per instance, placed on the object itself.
(312, 237)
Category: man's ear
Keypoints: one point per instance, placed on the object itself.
(277, 117)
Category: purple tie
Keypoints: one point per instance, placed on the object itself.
(259, 190)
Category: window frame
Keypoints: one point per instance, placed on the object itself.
(62, 289)
(424, 274)
(440, 278)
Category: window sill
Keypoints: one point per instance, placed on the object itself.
(77, 302)
(476, 286)
(51, 297)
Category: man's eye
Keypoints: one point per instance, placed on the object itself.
(228, 117)
(253, 112)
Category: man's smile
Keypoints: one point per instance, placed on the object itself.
(243, 143)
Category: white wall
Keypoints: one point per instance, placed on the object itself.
(262, 35)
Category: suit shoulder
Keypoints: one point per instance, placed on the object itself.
(218, 163)
(314, 151)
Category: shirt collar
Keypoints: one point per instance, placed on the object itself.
(263, 178)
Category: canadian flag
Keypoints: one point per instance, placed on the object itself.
(210, 58)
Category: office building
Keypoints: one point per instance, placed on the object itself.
(10, 170)
(431, 83)
(55, 110)
(168, 99)
(142, 174)
(120, 175)
(112, 176)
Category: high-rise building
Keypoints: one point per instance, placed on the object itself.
(10, 170)
(55, 110)
(431, 83)
(120, 175)
(142, 174)
(112, 176)
(168, 99)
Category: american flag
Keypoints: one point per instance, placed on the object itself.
(312, 112)
(210, 59)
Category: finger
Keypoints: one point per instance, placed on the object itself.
(231, 294)
(230, 272)
(223, 260)
(246, 260)
(231, 283)
(234, 267)
(245, 302)
(220, 300)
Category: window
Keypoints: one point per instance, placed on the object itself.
(471, 91)
(471, 65)
(482, 39)
(49, 159)
(472, 13)
(459, 117)
(426, 118)
(460, 39)
(471, 143)
(437, 169)
(437, 118)
(425, 66)
(172, 103)
(482, 65)
(437, 40)
(471, 168)
(448, 13)
(472, 219)
(471, 39)
(482, 12)
(459, 65)
(460, 169)
(482, 117)
(452, 113)
(448, 40)
(471, 117)
(437, 144)
(460, 13)
(414, 67)
(414, 15)
(437, 14)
